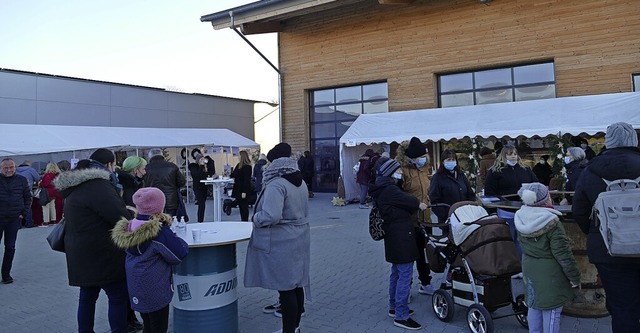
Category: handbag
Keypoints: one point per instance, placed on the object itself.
(43, 197)
(56, 237)
(375, 224)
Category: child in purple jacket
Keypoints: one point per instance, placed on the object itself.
(152, 249)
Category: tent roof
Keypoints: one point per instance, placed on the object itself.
(566, 115)
(21, 139)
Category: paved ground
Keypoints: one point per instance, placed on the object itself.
(349, 283)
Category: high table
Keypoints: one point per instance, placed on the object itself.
(218, 187)
(205, 298)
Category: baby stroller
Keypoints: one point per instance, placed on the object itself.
(478, 256)
(229, 202)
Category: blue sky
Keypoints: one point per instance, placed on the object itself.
(156, 43)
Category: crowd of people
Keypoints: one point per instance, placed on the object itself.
(117, 225)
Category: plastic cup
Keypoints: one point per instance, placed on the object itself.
(197, 235)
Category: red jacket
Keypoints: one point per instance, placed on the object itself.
(47, 182)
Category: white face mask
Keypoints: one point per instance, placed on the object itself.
(542, 162)
(420, 161)
(511, 163)
(567, 159)
(397, 175)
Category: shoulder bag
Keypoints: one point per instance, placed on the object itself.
(56, 237)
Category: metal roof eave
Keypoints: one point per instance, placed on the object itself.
(266, 10)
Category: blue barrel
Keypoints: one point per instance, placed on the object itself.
(205, 285)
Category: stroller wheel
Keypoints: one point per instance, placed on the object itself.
(442, 304)
(521, 310)
(479, 320)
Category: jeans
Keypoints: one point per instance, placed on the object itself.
(10, 231)
(544, 321)
(292, 305)
(156, 321)
(364, 191)
(399, 287)
(621, 283)
(509, 218)
(118, 304)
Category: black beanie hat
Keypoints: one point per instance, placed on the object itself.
(103, 155)
(415, 149)
(282, 149)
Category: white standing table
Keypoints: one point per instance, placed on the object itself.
(218, 188)
(205, 283)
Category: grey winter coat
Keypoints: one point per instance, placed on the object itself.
(278, 255)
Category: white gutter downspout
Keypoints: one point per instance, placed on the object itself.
(233, 27)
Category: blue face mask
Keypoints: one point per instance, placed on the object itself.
(397, 175)
(567, 159)
(420, 161)
(510, 163)
(450, 165)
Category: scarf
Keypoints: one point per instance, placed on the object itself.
(278, 168)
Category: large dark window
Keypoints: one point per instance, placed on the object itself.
(499, 85)
(332, 111)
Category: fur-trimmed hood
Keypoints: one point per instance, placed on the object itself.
(535, 221)
(125, 238)
(66, 181)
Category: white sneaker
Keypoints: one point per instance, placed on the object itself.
(271, 308)
(426, 289)
(296, 331)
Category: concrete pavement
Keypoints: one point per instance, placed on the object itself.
(348, 272)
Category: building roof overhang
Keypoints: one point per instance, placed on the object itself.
(268, 15)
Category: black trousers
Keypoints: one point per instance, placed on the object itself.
(243, 206)
(201, 199)
(424, 271)
(292, 305)
(157, 321)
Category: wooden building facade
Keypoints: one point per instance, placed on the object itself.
(399, 55)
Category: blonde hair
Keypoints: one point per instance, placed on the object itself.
(52, 168)
(501, 159)
(244, 158)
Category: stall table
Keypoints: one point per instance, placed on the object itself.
(205, 298)
(218, 190)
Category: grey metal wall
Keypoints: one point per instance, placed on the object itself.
(31, 98)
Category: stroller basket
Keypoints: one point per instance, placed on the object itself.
(493, 292)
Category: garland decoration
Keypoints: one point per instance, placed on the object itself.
(557, 152)
(472, 152)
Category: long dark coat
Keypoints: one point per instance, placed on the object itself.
(92, 207)
(448, 188)
(396, 207)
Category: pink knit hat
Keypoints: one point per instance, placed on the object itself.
(149, 201)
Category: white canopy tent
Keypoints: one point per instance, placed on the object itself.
(22, 140)
(568, 115)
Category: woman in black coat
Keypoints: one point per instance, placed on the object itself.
(505, 178)
(242, 184)
(198, 171)
(400, 249)
(575, 161)
(449, 185)
(92, 208)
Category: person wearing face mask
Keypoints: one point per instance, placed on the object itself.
(414, 161)
(130, 177)
(505, 178)
(397, 209)
(543, 171)
(449, 185)
(574, 162)
(589, 153)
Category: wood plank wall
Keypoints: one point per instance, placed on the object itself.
(595, 45)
